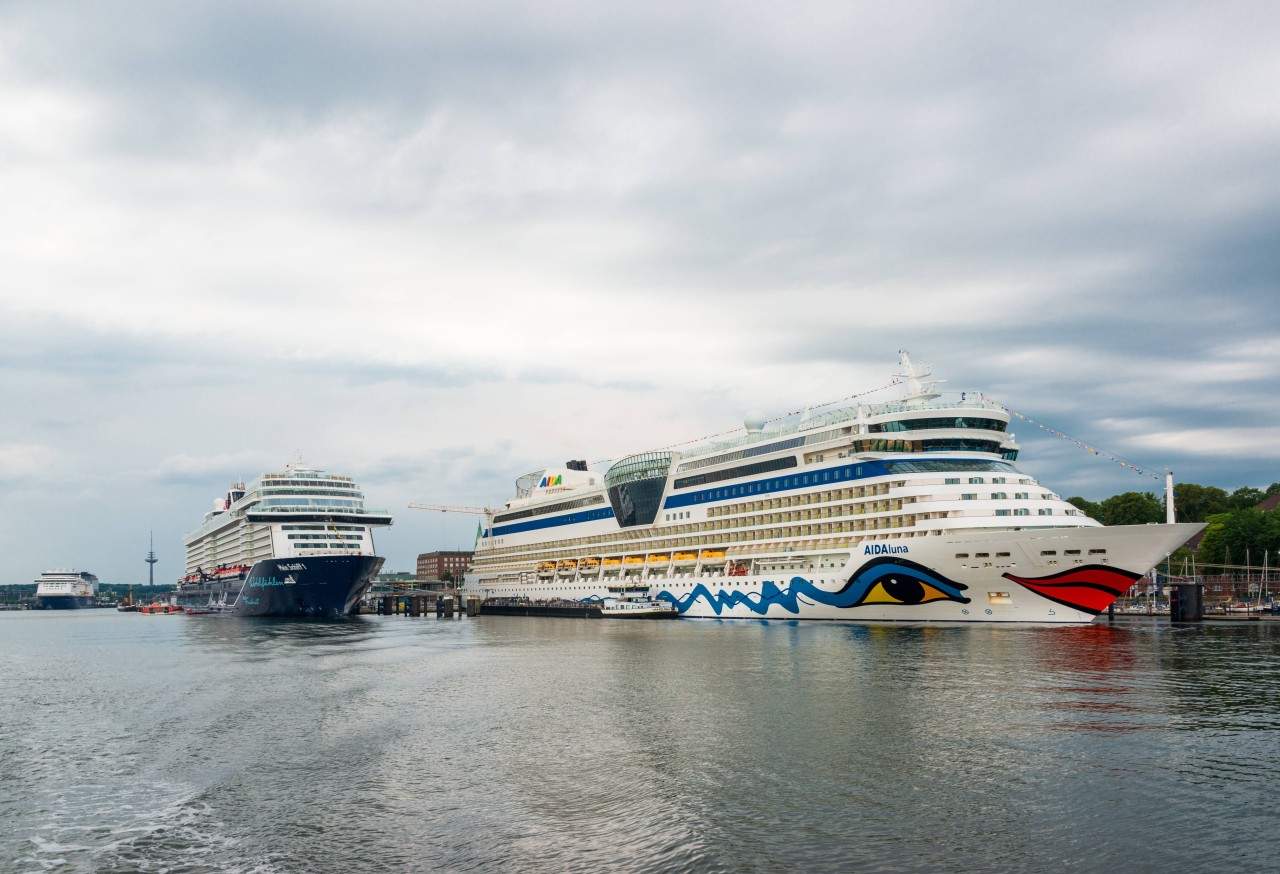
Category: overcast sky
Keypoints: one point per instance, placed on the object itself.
(434, 246)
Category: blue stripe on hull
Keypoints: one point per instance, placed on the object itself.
(553, 521)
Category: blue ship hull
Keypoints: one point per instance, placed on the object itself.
(311, 586)
(63, 602)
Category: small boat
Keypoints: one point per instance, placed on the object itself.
(636, 608)
(612, 561)
(633, 559)
(712, 553)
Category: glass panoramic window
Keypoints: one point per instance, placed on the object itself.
(960, 465)
(938, 422)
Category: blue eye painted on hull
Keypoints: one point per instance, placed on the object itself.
(887, 580)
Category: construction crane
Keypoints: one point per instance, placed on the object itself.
(474, 511)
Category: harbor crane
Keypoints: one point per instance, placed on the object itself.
(474, 511)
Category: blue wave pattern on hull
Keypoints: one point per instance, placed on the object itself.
(883, 581)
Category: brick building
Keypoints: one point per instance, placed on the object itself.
(434, 565)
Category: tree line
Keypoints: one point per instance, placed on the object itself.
(1237, 531)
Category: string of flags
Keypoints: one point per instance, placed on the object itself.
(811, 407)
(1141, 471)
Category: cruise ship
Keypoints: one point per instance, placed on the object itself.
(65, 589)
(297, 543)
(913, 509)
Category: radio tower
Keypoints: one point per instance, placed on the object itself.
(151, 561)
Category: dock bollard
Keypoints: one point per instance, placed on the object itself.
(388, 605)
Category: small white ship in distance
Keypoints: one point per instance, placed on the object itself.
(65, 589)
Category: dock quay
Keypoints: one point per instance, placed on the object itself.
(446, 606)
(550, 607)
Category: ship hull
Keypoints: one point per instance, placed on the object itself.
(63, 602)
(309, 586)
(1046, 576)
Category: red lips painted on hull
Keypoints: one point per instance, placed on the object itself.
(1089, 589)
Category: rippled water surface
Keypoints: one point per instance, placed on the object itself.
(184, 744)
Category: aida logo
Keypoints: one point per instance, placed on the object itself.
(549, 481)
(883, 549)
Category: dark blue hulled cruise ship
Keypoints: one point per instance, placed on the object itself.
(65, 590)
(297, 543)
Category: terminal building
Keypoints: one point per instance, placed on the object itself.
(432, 566)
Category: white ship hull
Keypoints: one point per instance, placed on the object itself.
(921, 581)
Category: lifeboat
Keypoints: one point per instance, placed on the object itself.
(686, 556)
(546, 566)
(590, 564)
(612, 561)
(738, 570)
(633, 559)
(568, 565)
(660, 559)
(712, 553)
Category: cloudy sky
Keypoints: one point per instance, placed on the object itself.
(437, 245)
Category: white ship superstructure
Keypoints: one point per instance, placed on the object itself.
(300, 512)
(908, 510)
(65, 588)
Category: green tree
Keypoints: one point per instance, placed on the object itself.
(1132, 508)
(1249, 535)
(1273, 489)
(1244, 497)
(1084, 505)
(1197, 503)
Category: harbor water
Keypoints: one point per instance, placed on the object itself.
(383, 743)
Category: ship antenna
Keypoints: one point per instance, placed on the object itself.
(151, 561)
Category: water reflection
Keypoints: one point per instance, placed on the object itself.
(539, 744)
(262, 635)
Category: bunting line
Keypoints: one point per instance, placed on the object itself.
(1141, 471)
(890, 384)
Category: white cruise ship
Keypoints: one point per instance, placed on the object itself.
(65, 589)
(297, 543)
(911, 510)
